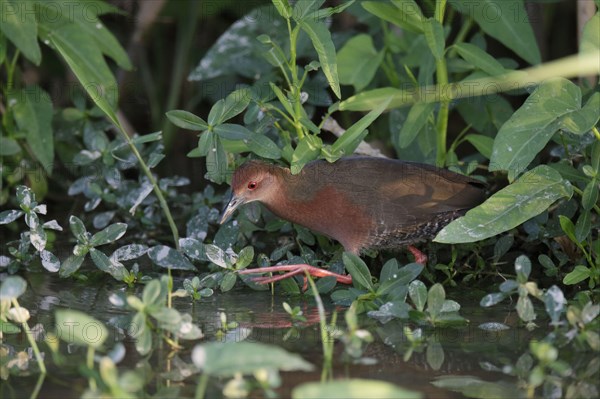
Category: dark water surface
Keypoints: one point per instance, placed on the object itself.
(465, 351)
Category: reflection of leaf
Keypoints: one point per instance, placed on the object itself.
(473, 387)
(353, 389)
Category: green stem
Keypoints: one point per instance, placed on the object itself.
(460, 36)
(90, 365)
(442, 79)
(38, 386)
(201, 387)
(29, 334)
(326, 345)
(596, 132)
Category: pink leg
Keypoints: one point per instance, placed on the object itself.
(420, 257)
(293, 270)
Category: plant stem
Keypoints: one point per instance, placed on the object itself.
(596, 132)
(29, 334)
(201, 387)
(90, 365)
(38, 386)
(442, 79)
(325, 343)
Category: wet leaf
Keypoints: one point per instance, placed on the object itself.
(555, 302)
(193, 248)
(493, 326)
(10, 216)
(227, 359)
(435, 300)
(527, 197)
(168, 257)
(525, 309)
(71, 265)
(216, 255)
(129, 252)
(107, 265)
(522, 268)
(418, 294)
(78, 229)
(110, 234)
(12, 288)
(79, 328)
(49, 261)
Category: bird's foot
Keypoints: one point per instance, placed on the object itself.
(294, 270)
(420, 257)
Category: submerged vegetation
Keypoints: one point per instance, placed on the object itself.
(459, 84)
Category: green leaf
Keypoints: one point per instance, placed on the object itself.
(70, 265)
(152, 294)
(8, 146)
(435, 300)
(245, 257)
(78, 328)
(479, 58)
(216, 161)
(590, 37)
(78, 229)
(568, 227)
(533, 125)
(406, 14)
(582, 120)
(228, 282)
(434, 34)
(234, 104)
(358, 270)
(505, 21)
(418, 294)
(20, 27)
(32, 109)
(328, 11)
(227, 359)
(577, 275)
(107, 265)
(358, 61)
(216, 255)
(435, 355)
(321, 40)
(527, 197)
(10, 216)
(283, 7)
(305, 7)
(583, 225)
(522, 268)
(12, 288)
(346, 143)
(483, 144)
(287, 103)
(187, 120)
(409, 272)
(525, 309)
(263, 146)
(85, 59)
(169, 258)
(491, 299)
(109, 235)
(555, 303)
(353, 389)
(307, 150)
(417, 118)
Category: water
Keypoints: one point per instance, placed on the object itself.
(260, 317)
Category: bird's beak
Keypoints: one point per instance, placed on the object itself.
(233, 204)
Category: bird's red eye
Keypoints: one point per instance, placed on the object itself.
(252, 185)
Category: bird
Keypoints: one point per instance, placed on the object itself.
(362, 202)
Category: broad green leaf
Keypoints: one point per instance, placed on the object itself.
(527, 197)
(10, 216)
(169, 258)
(129, 252)
(216, 161)
(590, 38)
(358, 270)
(405, 14)
(227, 359)
(187, 120)
(416, 119)
(245, 257)
(358, 61)
(193, 248)
(85, 59)
(321, 40)
(79, 328)
(263, 146)
(505, 21)
(483, 144)
(434, 34)
(110, 234)
(12, 288)
(389, 270)
(418, 294)
(435, 300)
(305, 7)
(107, 265)
(283, 7)
(582, 120)
(20, 26)
(307, 150)
(70, 265)
(78, 229)
(522, 268)
(525, 309)
(531, 127)
(230, 131)
(49, 261)
(346, 143)
(353, 389)
(228, 282)
(32, 109)
(234, 104)
(577, 275)
(216, 255)
(408, 273)
(479, 58)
